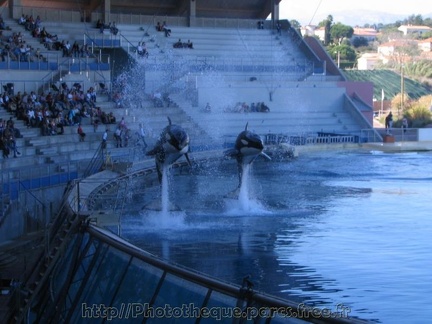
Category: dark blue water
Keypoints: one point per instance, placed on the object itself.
(329, 228)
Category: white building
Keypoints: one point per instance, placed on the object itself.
(368, 61)
(368, 33)
(425, 45)
(311, 30)
(412, 29)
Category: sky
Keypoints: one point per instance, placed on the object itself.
(304, 10)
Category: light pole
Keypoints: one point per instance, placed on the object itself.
(402, 91)
(338, 58)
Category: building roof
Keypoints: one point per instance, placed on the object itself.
(397, 43)
(414, 27)
(366, 32)
(245, 9)
(427, 40)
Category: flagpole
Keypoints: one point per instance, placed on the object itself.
(382, 101)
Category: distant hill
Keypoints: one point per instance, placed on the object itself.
(361, 17)
(388, 81)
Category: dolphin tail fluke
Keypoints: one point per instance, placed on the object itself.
(169, 121)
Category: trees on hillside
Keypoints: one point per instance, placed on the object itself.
(295, 24)
(339, 32)
(327, 24)
(344, 51)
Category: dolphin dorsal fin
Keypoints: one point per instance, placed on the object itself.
(246, 126)
(169, 121)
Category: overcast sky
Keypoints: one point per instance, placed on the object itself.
(304, 10)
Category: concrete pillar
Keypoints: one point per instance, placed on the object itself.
(275, 12)
(106, 11)
(15, 9)
(192, 13)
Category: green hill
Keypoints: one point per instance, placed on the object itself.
(389, 81)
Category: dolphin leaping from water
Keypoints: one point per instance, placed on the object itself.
(248, 146)
(173, 142)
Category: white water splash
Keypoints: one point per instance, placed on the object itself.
(165, 192)
(245, 205)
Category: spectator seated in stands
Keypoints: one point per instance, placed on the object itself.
(49, 40)
(113, 28)
(117, 98)
(166, 99)
(22, 20)
(142, 50)
(157, 99)
(207, 108)
(3, 54)
(84, 51)
(158, 26)
(36, 32)
(242, 107)
(261, 107)
(166, 30)
(178, 44)
(38, 22)
(67, 49)
(4, 148)
(3, 24)
(260, 24)
(100, 24)
(75, 51)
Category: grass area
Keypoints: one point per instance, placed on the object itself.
(389, 81)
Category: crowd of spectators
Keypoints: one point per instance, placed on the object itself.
(49, 111)
(163, 28)
(52, 111)
(160, 100)
(243, 107)
(15, 48)
(112, 27)
(14, 45)
(180, 44)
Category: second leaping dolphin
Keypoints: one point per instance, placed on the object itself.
(248, 146)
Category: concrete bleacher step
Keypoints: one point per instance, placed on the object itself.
(212, 45)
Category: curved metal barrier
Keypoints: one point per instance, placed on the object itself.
(88, 273)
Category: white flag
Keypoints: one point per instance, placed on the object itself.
(382, 94)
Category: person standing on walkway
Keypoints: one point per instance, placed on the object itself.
(405, 124)
(104, 139)
(141, 135)
(389, 123)
(81, 133)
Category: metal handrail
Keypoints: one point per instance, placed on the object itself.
(95, 163)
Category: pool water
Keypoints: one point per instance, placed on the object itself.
(330, 229)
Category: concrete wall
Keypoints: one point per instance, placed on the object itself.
(27, 214)
(425, 134)
(293, 97)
